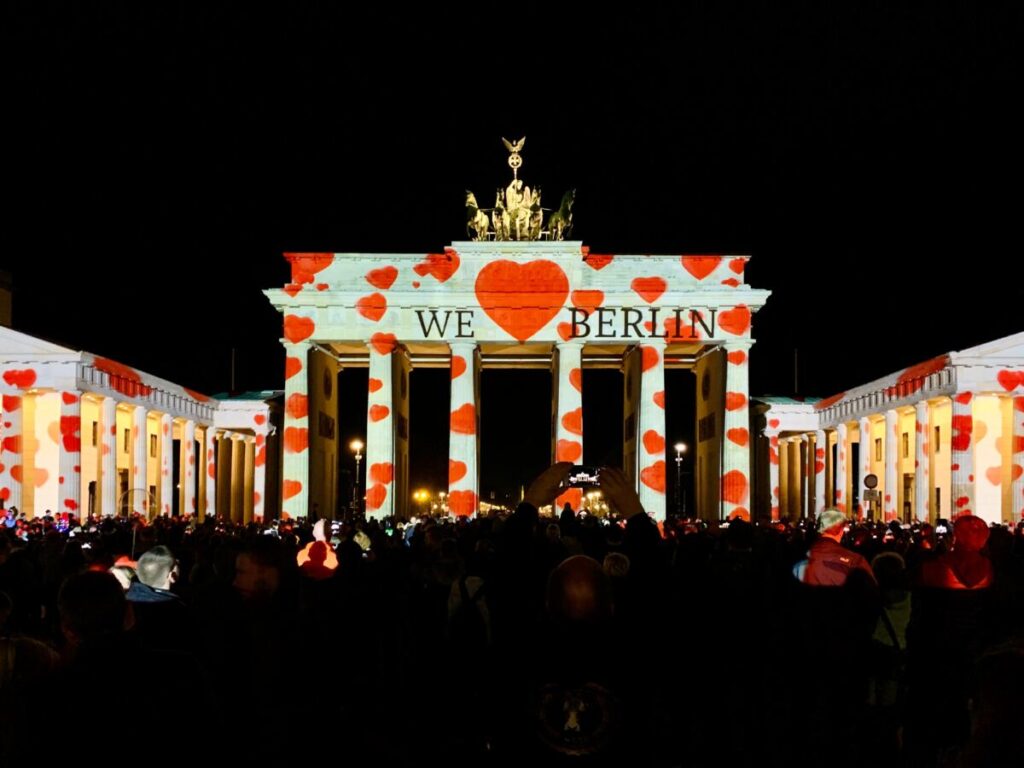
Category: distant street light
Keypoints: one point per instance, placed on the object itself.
(357, 449)
(680, 493)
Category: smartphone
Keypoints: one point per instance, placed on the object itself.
(582, 477)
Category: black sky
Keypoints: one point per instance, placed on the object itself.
(868, 157)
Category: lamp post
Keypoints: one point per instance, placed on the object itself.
(680, 493)
(422, 496)
(357, 449)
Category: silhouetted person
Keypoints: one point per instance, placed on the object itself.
(964, 566)
(829, 564)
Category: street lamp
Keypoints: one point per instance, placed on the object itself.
(357, 449)
(421, 496)
(680, 493)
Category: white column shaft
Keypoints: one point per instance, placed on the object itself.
(866, 448)
(138, 492)
(70, 461)
(961, 439)
(1017, 448)
(820, 451)
(295, 442)
(166, 464)
(380, 434)
(569, 414)
(842, 471)
(774, 459)
(651, 469)
(463, 472)
(892, 459)
(922, 478)
(10, 451)
(188, 467)
(108, 457)
(736, 443)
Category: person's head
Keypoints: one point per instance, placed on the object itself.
(970, 533)
(553, 532)
(579, 591)
(890, 570)
(157, 568)
(258, 569)
(616, 565)
(831, 524)
(92, 605)
(320, 530)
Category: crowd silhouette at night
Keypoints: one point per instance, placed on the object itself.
(513, 639)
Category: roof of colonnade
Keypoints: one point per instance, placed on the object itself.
(516, 291)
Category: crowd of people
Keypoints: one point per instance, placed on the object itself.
(514, 638)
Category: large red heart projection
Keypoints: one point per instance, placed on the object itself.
(382, 472)
(456, 471)
(701, 266)
(462, 503)
(649, 288)
(440, 266)
(375, 496)
(382, 278)
(735, 321)
(654, 476)
(522, 298)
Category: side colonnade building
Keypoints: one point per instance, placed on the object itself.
(942, 438)
(84, 434)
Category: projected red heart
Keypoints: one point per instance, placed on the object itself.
(382, 278)
(701, 266)
(521, 298)
(456, 471)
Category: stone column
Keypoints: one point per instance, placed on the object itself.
(108, 457)
(463, 472)
(892, 459)
(820, 452)
(842, 471)
(774, 458)
(295, 442)
(138, 489)
(785, 485)
(961, 441)
(69, 492)
(865, 463)
(209, 505)
(248, 479)
(224, 460)
(922, 478)
(166, 463)
(237, 478)
(259, 482)
(651, 424)
(796, 477)
(10, 451)
(380, 432)
(736, 442)
(1017, 460)
(187, 467)
(568, 435)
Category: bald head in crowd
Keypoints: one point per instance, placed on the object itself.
(579, 591)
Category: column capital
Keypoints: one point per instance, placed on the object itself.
(654, 341)
(571, 344)
(468, 345)
(299, 346)
(737, 345)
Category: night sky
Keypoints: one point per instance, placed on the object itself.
(868, 159)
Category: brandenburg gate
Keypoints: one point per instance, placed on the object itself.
(517, 293)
